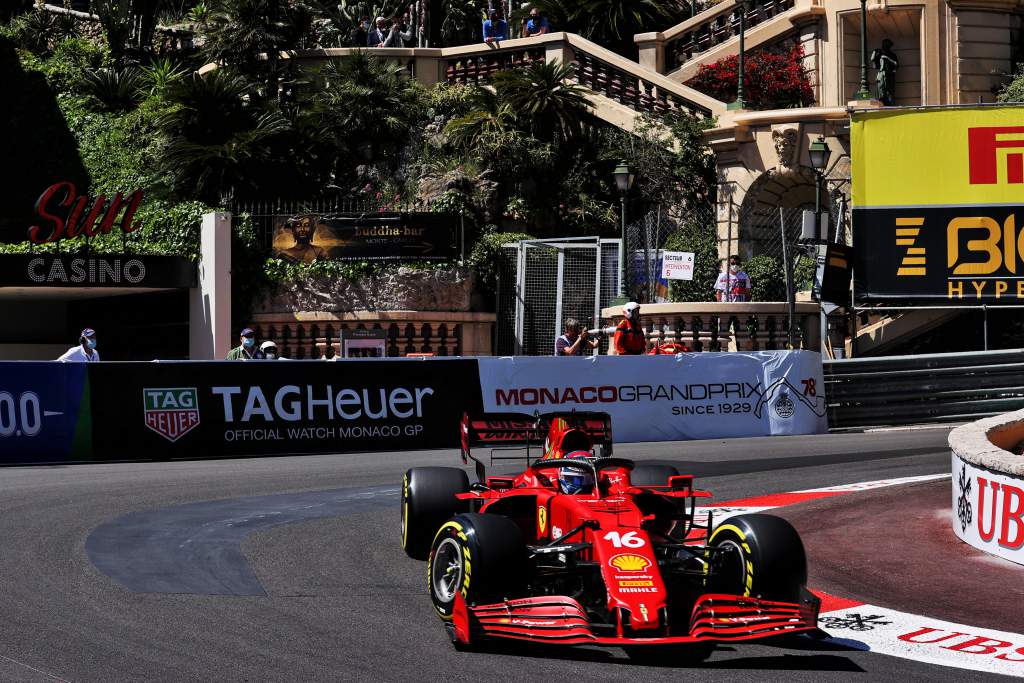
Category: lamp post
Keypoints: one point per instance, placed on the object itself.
(864, 93)
(740, 103)
(624, 178)
(819, 153)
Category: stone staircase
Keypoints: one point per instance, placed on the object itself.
(713, 34)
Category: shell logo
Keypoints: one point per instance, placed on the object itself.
(630, 563)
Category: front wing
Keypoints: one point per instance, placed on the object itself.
(561, 619)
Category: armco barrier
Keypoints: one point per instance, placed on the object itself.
(943, 387)
(988, 485)
(52, 412)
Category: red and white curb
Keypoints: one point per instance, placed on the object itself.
(887, 631)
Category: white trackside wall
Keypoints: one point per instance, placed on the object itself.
(988, 509)
(667, 398)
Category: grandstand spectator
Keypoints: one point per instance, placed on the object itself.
(574, 341)
(733, 285)
(85, 351)
(379, 34)
(401, 35)
(537, 25)
(495, 27)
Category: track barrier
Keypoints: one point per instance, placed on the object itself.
(61, 412)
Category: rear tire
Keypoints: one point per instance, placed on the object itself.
(481, 556)
(428, 500)
(652, 475)
(767, 559)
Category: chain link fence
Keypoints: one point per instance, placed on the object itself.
(543, 283)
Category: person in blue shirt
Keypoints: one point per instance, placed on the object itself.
(537, 25)
(495, 27)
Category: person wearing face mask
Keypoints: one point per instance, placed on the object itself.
(629, 337)
(86, 349)
(733, 285)
(247, 349)
(269, 350)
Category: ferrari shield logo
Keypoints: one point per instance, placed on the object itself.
(171, 413)
(542, 519)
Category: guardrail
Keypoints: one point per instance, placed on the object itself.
(942, 387)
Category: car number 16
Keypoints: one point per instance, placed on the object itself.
(626, 540)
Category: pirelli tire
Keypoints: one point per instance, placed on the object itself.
(652, 475)
(482, 557)
(428, 501)
(766, 558)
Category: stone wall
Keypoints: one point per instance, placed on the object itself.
(985, 43)
(401, 289)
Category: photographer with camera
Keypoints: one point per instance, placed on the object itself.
(574, 340)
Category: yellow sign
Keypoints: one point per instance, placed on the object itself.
(960, 156)
(542, 519)
(630, 563)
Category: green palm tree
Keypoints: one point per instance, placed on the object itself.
(215, 142)
(544, 95)
(490, 116)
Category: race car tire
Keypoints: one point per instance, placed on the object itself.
(481, 556)
(428, 501)
(769, 561)
(652, 475)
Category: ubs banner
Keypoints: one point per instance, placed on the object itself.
(938, 204)
(668, 398)
(234, 408)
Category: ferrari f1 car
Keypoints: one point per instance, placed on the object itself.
(586, 548)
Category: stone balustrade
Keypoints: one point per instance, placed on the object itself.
(317, 335)
(726, 326)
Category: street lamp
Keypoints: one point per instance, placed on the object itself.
(740, 103)
(819, 153)
(624, 178)
(863, 93)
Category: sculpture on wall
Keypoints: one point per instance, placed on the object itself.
(786, 138)
(886, 64)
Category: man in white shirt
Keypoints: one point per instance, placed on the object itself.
(86, 351)
(733, 285)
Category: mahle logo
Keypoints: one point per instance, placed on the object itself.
(171, 413)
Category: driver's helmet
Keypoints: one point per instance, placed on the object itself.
(572, 480)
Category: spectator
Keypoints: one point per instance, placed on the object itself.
(629, 336)
(360, 32)
(537, 25)
(85, 351)
(269, 350)
(400, 34)
(495, 27)
(246, 350)
(733, 285)
(379, 34)
(574, 340)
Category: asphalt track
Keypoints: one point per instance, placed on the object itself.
(290, 569)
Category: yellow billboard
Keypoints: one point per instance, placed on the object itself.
(938, 203)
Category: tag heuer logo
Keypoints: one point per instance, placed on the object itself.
(784, 407)
(171, 413)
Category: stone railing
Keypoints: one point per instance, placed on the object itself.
(317, 335)
(668, 50)
(725, 326)
(620, 86)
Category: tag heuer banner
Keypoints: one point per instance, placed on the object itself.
(937, 204)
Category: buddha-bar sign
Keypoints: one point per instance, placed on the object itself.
(938, 204)
(64, 214)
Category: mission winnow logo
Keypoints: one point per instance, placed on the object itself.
(172, 413)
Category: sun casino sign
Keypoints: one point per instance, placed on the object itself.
(938, 204)
(63, 215)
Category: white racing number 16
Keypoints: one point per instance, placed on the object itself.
(626, 540)
(20, 416)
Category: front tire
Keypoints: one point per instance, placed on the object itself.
(428, 500)
(765, 558)
(482, 557)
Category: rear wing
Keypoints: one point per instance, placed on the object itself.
(522, 430)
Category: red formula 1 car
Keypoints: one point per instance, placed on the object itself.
(584, 548)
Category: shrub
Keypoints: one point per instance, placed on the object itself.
(1014, 90)
(113, 89)
(769, 279)
(773, 80)
(485, 259)
(71, 61)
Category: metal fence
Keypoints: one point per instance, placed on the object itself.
(542, 283)
(943, 387)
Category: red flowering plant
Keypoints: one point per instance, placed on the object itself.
(774, 80)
